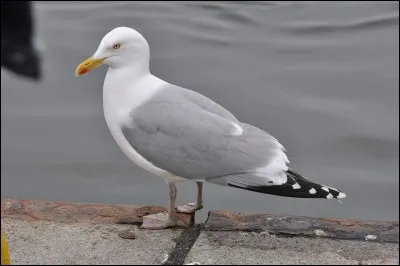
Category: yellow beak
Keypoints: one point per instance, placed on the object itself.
(88, 65)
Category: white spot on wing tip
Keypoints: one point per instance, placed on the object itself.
(296, 186)
(312, 191)
(341, 195)
(329, 196)
(325, 188)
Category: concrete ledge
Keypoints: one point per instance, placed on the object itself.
(251, 248)
(304, 226)
(40, 232)
(53, 243)
(33, 210)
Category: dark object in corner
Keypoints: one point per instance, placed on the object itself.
(18, 53)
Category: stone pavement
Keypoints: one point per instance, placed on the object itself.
(68, 233)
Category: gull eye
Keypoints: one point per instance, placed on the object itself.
(116, 46)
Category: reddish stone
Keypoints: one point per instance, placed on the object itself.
(82, 212)
(385, 231)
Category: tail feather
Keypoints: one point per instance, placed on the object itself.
(297, 186)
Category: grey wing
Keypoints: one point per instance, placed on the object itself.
(209, 105)
(193, 143)
(178, 94)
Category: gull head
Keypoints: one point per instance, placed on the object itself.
(120, 48)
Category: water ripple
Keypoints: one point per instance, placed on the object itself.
(322, 27)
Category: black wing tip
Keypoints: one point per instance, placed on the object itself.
(296, 186)
(288, 191)
(320, 191)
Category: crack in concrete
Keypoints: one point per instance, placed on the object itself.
(183, 245)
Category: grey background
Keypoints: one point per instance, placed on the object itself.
(321, 77)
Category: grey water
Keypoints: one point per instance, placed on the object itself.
(322, 77)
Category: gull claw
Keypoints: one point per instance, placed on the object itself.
(189, 208)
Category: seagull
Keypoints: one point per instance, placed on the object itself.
(178, 134)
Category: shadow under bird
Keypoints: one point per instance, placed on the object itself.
(179, 134)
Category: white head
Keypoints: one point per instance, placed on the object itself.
(120, 48)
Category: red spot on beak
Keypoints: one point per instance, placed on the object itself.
(83, 71)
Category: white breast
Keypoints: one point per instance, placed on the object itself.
(118, 103)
